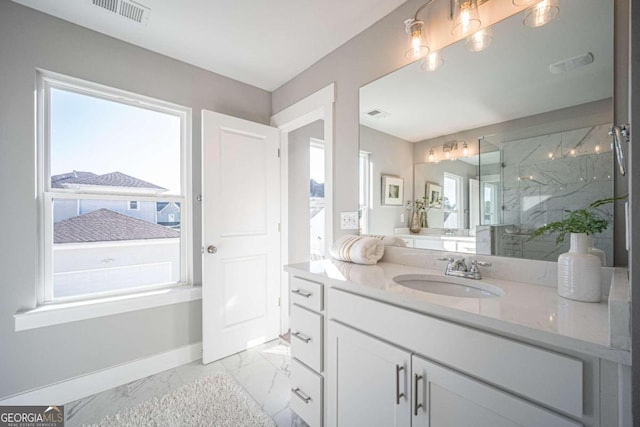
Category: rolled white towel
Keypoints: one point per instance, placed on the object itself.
(357, 249)
(389, 240)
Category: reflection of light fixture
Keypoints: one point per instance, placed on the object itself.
(465, 149)
(551, 156)
(431, 155)
(540, 13)
(466, 18)
(478, 41)
(417, 46)
(433, 61)
(572, 152)
(597, 149)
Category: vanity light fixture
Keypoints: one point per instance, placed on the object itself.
(466, 18)
(432, 61)
(540, 12)
(431, 156)
(479, 41)
(465, 149)
(417, 46)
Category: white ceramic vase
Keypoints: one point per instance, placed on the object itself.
(579, 276)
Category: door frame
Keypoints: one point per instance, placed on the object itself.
(317, 106)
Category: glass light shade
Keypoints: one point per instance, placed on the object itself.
(432, 61)
(466, 18)
(416, 40)
(478, 41)
(541, 13)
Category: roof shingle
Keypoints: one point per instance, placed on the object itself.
(105, 225)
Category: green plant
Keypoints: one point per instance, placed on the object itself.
(588, 221)
(423, 204)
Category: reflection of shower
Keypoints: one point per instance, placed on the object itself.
(530, 178)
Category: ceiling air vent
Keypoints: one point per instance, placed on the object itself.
(126, 9)
(377, 114)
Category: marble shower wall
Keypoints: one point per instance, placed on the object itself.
(546, 175)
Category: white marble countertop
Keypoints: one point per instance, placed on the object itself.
(437, 237)
(526, 312)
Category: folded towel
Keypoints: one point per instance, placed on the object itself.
(357, 249)
(389, 240)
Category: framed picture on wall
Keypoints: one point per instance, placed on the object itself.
(392, 190)
(434, 195)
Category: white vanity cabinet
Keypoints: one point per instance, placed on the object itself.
(307, 349)
(374, 383)
(370, 380)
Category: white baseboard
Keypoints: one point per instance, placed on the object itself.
(96, 382)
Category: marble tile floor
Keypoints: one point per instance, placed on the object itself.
(263, 371)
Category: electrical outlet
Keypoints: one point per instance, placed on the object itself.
(348, 220)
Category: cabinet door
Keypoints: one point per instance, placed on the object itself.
(442, 397)
(368, 381)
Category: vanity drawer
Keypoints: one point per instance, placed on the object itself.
(306, 293)
(306, 337)
(540, 375)
(306, 394)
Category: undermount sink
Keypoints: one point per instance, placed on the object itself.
(451, 286)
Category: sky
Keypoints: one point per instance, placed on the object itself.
(95, 135)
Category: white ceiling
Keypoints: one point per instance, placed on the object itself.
(264, 43)
(509, 80)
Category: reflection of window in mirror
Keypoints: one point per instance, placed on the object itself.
(452, 201)
(490, 207)
(364, 190)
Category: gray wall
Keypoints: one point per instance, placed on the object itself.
(389, 156)
(30, 39)
(299, 189)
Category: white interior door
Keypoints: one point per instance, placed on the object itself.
(241, 213)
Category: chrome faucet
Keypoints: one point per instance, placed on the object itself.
(458, 268)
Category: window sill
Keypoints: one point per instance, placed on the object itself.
(55, 314)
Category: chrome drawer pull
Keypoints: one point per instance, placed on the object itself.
(301, 337)
(398, 394)
(416, 405)
(301, 293)
(296, 391)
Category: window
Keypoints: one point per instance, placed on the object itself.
(98, 147)
(364, 190)
(452, 201)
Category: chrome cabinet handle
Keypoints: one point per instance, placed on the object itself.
(301, 337)
(398, 394)
(301, 293)
(416, 405)
(301, 396)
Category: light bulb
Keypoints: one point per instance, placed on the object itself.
(466, 18)
(541, 13)
(597, 149)
(551, 155)
(417, 40)
(431, 158)
(446, 154)
(573, 152)
(465, 149)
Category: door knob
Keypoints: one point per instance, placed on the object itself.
(212, 249)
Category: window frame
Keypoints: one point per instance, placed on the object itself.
(45, 81)
(137, 208)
